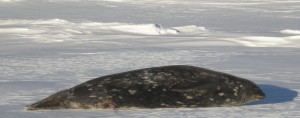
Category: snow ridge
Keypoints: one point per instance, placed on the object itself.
(59, 30)
(266, 41)
(146, 29)
(10, 0)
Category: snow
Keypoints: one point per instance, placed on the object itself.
(50, 45)
(290, 31)
(147, 29)
(53, 29)
(9, 0)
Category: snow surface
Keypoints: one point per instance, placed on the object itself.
(50, 45)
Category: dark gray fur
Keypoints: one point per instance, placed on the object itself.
(157, 87)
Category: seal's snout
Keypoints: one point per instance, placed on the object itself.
(258, 97)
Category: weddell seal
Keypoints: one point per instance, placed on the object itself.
(157, 87)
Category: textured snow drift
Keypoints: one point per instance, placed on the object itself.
(59, 30)
(10, 0)
(264, 41)
(290, 31)
(146, 29)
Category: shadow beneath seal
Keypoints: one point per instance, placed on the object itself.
(275, 94)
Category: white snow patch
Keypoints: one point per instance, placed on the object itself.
(261, 41)
(114, 0)
(129, 1)
(267, 41)
(190, 29)
(34, 22)
(59, 30)
(290, 31)
(10, 0)
(264, 41)
(146, 29)
(19, 31)
(188, 2)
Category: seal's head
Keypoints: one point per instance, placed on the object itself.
(252, 92)
(255, 93)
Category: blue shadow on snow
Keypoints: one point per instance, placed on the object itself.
(275, 94)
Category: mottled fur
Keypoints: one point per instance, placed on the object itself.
(157, 87)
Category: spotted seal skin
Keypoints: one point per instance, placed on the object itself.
(158, 87)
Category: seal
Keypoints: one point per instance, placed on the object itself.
(157, 87)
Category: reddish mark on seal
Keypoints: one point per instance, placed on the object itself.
(112, 105)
